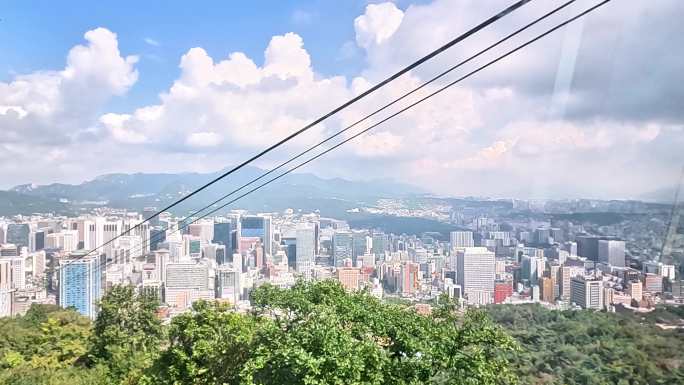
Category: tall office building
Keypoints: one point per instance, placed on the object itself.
(290, 246)
(546, 285)
(588, 246)
(461, 239)
(148, 213)
(635, 290)
(359, 245)
(531, 269)
(587, 293)
(18, 268)
(567, 272)
(5, 273)
(187, 282)
(203, 229)
(409, 278)
(542, 235)
(258, 226)
(223, 235)
(228, 284)
(476, 274)
(557, 235)
(80, 283)
(306, 246)
(342, 244)
(611, 252)
(379, 245)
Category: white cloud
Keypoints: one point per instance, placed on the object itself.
(53, 106)
(489, 135)
(378, 24)
(151, 42)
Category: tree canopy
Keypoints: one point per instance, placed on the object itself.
(317, 333)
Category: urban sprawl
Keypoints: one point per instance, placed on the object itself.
(562, 264)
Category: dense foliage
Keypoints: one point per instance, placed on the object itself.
(584, 347)
(316, 333)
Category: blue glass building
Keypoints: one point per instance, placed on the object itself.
(81, 284)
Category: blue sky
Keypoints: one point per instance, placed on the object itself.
(34, 35)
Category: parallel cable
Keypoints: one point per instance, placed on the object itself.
(438, 91)
(355, 99)
(377, 111)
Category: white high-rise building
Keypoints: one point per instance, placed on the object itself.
(612, 252)
(228, 285)
(306, 246)
(461, 239)
(187, 282)
(587, 293)
(476, 274)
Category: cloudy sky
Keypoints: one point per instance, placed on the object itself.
(594, 110)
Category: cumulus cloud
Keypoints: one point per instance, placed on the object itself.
(498, 133)
(377, 25)
(51, 107)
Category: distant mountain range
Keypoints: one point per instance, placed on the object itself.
(136, 191)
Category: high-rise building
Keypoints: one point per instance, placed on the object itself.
(359, 245)
(80, 283)
(542, 235)
(290, 246)
(635, 290)
(653, 283)
(587, 293)
(223, 235)
(228, 284)
(530, 269)
(342, 244)
(380, 245)
(306, 245)
(547, 293)
(348, 277)
(258, 226)
(204, 230)
(5, 273)
(611, 252)
(557, 235)
(476, 274)
(461, 239)
(148, 213)
(187, 282)
(567, 272)
(409, 277)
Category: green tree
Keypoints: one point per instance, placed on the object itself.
(126, 333)
(317, 333)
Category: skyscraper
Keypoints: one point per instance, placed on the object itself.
(476, 274)
(379, 245)
(611, 252)
(587, 293)
(258, 226)
(228, 284)
(359, 245)
(342, 247)
(223, 235)
(80, 283)
(462, 239)
(306, 245)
